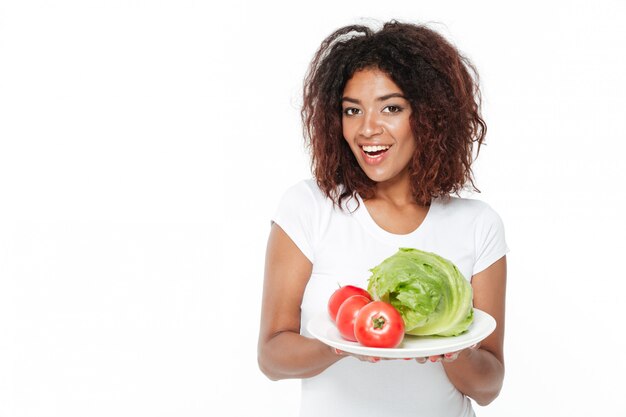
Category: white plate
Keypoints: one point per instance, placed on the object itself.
(322, 328)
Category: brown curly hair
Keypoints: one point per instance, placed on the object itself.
(441, 86)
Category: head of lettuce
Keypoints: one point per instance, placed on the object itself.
(430, 293)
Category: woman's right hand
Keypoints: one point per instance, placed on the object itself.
(363, 358)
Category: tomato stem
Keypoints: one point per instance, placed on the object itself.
(379, 322)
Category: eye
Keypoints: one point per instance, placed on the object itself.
(351, 111)
(392, 109)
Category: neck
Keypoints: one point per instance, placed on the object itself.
(397, 190)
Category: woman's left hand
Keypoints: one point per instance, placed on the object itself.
(446, 357)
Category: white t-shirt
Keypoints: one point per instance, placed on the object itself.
(343, 245)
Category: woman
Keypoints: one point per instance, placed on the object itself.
(391, 117)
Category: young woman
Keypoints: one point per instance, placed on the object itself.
(392, 118)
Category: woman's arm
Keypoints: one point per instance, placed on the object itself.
(478, 373)
(282, 351)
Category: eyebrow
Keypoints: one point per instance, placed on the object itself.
(381, 98)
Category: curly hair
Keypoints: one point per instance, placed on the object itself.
(441, 86)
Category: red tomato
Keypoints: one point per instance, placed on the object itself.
(379, 325)
(341, 295)
(347, 315)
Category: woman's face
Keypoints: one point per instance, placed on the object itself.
(376, 125)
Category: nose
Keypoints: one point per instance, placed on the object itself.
(370, 125)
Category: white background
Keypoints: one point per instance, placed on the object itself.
(144, 146)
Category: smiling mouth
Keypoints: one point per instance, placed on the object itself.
(376, 150)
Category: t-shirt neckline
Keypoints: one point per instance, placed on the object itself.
(366, 220)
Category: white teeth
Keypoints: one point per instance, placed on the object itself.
(375, 148)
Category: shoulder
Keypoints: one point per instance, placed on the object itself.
(469, 215)
(305, 198)
(301, 213)
(304, 193)
(477, 225)
(466, 208)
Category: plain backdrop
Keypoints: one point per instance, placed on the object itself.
(144, 146)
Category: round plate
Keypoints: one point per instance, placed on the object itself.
(322, 328)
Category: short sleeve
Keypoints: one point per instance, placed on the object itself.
(490, 240)
(296, 215)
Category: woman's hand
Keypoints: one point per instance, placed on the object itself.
(363, 358)
(446, 357)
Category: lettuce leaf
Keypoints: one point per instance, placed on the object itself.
(429, 291)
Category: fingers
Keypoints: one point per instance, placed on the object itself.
(446, 357)
(449, 357)
(338, 352)
(437, 358)
(363, 358)
(370, 359)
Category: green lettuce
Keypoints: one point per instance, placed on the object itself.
(429, 291)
